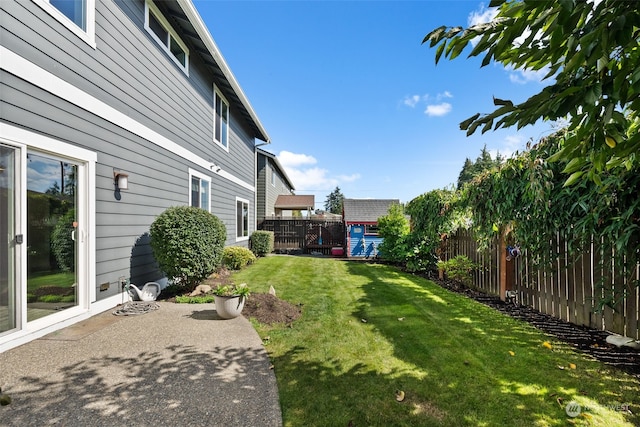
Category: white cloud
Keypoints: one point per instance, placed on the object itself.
(437, 110)
(287, 158)
(482, 15)
(434, 105)
(411, 101)
(309, 178)
(521, 76)
(509, 146)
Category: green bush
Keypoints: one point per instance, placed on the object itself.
(236, 257)
(62, 245)
(198, 299)
(459, 269)
(262, 242)
(188, 243)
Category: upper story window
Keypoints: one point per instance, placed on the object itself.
(77, 15)
(220, 119)
(273, 177)
(200, 195)
(161, 31)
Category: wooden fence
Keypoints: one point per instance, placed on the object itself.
(305, 235)
(567, 286)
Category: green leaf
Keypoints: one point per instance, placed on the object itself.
(465, 124)
(573, 178)
(498, 101)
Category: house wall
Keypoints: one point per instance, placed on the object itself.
(267, 192)
(160, 125)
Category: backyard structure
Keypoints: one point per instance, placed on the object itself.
(125, 109)
(360, 218)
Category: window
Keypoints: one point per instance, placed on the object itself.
(273, 176)
(371, 229)
(220, 119)
(200, 194)
(77, 15)
(160, 30)
(242, 219)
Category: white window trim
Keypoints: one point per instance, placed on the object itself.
(28, 140)
(217, 93)
(88, 35)
(202, 177)
(242, 238)
(150, 7)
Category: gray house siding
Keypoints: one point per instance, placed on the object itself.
(130, 73)
(267, 192)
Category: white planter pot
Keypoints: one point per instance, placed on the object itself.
(229, 307)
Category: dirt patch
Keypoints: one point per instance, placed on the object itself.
(582, 338)
(269, 309)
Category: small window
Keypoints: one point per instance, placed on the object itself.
(273, 177)
(371, 229)
(160, 30)
(242, 219)
(77, 15)
(220, 119)
(200, 194)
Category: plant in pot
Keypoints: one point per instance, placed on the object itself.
(230, 299)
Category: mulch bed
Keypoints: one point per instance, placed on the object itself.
(582, 338)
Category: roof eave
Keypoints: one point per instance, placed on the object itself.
(203, 32)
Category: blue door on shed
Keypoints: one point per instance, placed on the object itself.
(357, 243)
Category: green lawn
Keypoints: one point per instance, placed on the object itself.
(369, 330)
(59, 279)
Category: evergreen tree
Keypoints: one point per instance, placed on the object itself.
(483, 163)
(334, 200)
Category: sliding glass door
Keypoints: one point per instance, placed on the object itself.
(52, 237)
(8, 199)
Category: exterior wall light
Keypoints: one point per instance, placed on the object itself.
(120, 180)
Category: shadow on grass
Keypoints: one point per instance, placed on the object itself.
(178, 385)
(480, 367)
(359, 396)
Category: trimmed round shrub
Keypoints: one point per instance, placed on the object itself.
(187, 242)
(236, 257)
(262, 242)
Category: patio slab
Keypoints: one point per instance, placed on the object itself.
(180, 365)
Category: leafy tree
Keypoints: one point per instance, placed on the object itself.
(590, 52)
(393, 228)
(334, 200)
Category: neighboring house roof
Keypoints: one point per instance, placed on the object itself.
(294, 202)
(196, 31)
(278, 166)
(366, 210)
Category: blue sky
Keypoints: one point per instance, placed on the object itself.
(351, 98)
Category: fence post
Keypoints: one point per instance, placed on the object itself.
(502, 264)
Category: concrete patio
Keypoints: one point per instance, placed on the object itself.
(179, 365)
